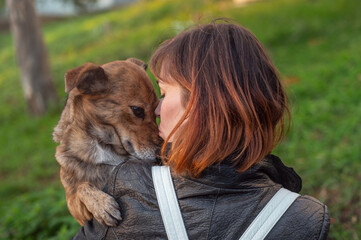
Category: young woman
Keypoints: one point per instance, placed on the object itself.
(222, 112)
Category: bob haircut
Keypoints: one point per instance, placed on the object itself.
(234, 101)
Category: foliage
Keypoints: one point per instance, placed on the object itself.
(314, 44)
(39, 214)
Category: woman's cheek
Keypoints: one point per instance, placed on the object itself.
(168, 118)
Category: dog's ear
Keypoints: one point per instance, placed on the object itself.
(88, 78)
(138, 62)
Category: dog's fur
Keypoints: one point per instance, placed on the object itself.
(103, 124)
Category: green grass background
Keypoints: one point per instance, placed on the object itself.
(315, 44)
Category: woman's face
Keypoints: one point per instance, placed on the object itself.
(170, 108)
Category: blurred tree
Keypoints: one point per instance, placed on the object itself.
(32, 57)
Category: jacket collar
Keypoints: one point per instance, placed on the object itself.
(268, 172)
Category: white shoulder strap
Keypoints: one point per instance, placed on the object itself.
(168, 203)
(172, 218)
(270, 215)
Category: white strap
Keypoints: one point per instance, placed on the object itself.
(270, 215)
(172, 218)
(168, 203)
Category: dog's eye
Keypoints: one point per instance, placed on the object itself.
(138, 112)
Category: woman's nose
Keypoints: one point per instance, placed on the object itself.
(157, 110)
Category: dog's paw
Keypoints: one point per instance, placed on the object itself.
(107, 211)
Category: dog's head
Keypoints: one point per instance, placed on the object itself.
(113, 103)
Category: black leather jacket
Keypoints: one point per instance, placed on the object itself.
(219, 205)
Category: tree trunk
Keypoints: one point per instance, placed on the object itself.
(32, 57)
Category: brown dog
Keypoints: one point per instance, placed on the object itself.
(108, 118)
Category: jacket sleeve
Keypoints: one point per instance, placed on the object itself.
(307, 218)
(325, 224)
(91, 230)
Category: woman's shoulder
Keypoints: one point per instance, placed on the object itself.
(133, 166)
(129, 174)
(307, 218)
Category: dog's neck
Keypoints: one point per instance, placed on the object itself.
(97, 147)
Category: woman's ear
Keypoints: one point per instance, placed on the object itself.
(88, 78)
(138, 62)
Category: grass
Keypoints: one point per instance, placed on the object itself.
(314, 44)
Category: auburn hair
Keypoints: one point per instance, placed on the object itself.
(234, 101)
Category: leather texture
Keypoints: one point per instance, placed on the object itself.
(221, 204)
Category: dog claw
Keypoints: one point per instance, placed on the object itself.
(106, 210)
(108, 219)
